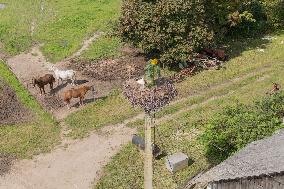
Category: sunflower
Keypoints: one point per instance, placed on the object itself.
(154, 61)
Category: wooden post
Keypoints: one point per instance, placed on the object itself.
(148, 158)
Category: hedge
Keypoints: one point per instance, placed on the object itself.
(237, 125)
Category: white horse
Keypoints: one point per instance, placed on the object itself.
(64, 75)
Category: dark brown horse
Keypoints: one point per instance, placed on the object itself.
(44, 80)
(76, 93)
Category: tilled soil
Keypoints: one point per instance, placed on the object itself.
(111, 70)
(11, 109)
(52, 102)
(6, 161)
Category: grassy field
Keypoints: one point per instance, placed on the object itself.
(60, 26)
(246, 78)
(110, 110)
(27, 139)
(104, 47)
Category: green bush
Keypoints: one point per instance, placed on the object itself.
(253, 19)
(171, 29)
(265, 15)
(246, 17)
(238, 125)
(275, 12)
(176, 29)
(268, 15)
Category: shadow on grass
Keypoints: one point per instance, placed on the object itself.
(234, 47)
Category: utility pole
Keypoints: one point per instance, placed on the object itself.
(159, 93)
(148, 159)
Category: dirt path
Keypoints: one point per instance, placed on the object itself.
(86, 44)
(211, 99)
(77, 166)
(225, 84)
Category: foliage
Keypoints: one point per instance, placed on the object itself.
(152, 71)
(238, 125)
(246, 17)
(173, 29)
(176, 29)
(275, 12)
(253, 19)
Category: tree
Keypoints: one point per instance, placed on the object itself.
(173, 29)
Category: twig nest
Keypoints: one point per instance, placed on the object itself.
(150, 99)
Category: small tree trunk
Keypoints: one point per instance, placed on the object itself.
(148, 164)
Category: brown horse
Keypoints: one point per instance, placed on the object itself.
(44, 80)
(76, 93)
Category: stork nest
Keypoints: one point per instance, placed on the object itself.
(150, 99)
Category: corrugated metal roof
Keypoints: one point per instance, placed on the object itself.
(263, 157)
